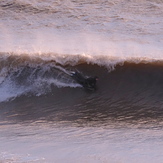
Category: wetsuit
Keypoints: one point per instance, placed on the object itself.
(89, 82)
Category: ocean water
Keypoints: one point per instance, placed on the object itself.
(46, 116)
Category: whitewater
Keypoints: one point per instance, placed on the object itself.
(46, 116)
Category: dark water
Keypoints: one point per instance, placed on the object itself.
(130, 92)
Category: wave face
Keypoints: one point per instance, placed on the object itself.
(35, 75)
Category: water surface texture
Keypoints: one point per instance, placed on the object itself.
(46, 116)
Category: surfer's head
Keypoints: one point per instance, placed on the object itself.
(96, 78)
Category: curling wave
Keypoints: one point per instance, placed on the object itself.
(39, 74)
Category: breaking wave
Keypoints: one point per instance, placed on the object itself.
(39, 74)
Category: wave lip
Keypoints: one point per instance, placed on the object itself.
(107, 61)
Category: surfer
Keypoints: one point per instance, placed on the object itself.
(86, 82)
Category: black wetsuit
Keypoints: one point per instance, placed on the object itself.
(89, 82)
